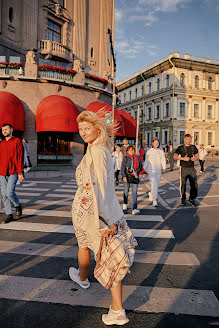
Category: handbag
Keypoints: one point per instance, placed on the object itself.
(115, 254)
(131, 178)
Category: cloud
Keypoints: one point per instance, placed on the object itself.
(148, 19)
(163, 5)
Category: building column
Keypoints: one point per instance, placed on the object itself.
(152, 111)
(175, 113)
(217, 82)
(203, 81)
(203, 109)
(189, 113)
(190, 79)
(161, 109)
(217, 110)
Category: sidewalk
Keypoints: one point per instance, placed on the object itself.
(50, 172)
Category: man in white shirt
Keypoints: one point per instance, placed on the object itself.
(155, 162)
(202, 155)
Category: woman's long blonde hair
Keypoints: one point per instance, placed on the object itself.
(104, 138)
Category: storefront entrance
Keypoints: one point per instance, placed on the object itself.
(54, 148)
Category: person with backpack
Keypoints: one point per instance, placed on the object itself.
(187, 154)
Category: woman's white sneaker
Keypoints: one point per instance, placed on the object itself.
(74, 275)
(115, 317)
(124, 207)
(135, 211)
(150, 196)
(155, 203)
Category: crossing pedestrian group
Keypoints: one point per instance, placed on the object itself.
(97, 216)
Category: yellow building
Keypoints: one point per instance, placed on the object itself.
(178, 94)
(55, 48)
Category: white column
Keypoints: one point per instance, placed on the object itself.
(189, 112)
(203, 109)
(203, 81)
(216, 81)
(152, 111)
(161, 109)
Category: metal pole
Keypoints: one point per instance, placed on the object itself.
(143, 108)
(136, 141)
(173, 105)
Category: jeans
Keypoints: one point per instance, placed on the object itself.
(8, 185)
(188, 173)
(134, 187)
(202, 165)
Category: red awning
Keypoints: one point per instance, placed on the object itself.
(130, 124)
(11, 111)
(97, 105)
(56, 113)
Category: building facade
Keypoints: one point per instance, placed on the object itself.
(55, 48)
(178, 94)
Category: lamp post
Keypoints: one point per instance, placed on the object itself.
(143, 107)
(173, 66)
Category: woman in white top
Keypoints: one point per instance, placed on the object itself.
(154, 162)
(202, 156)
(117, 154)
(95, 200)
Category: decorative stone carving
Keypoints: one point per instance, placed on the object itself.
(78, 66)
(30, 57)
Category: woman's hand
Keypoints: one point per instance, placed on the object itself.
(125, 179)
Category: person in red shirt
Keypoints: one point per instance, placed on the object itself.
(11, 170)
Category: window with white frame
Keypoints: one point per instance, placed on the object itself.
(210, 112)
(196, 138)
(182, 109)
(182, 80)
(53, 31)
(210, 83)
(149, 87)
(181, 136)
(157, 111)
(196, 110)
(149, 113)
(196, 81)
(167, 81)
(210, 138)
(165, 137)
(167, 109)
(158, 84)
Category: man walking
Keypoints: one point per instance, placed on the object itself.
(124, 146)
(202, 156)
(189, 153)
(11, 170)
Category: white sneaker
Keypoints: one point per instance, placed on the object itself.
(124, 207)
(135, 211)
(74, 275)
(115, 317)
(150, 196)
(155, 203)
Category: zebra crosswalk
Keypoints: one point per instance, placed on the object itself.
(37, 261)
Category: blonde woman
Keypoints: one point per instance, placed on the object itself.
(96, 199)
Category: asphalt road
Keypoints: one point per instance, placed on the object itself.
(174, 281)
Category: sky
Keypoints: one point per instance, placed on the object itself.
(147, 30)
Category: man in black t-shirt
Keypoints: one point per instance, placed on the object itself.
(188, 155)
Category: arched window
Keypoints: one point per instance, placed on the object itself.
(210, 83)
(182, 80)
(167, 81)
(158, 84)
(196, 81)
(149, 87)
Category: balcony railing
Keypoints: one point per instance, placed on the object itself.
(48, 47)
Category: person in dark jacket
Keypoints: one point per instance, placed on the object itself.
(131, 167)
(170, 155)
(11, 170)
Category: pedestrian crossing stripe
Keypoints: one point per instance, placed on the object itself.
(58, 228)
(139, 298)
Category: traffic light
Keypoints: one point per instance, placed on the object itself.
(108, 117)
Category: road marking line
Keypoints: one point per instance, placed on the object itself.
(52, 250)
(19, 193)
(24, 188)
(58, 195)
(57, 228)
(38, 181)
(140, 298)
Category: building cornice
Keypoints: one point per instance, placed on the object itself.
(179, 59)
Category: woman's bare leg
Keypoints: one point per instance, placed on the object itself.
(84, 260)
(117, 297)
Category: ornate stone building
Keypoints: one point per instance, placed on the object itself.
(178, 94)
(55, 48)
